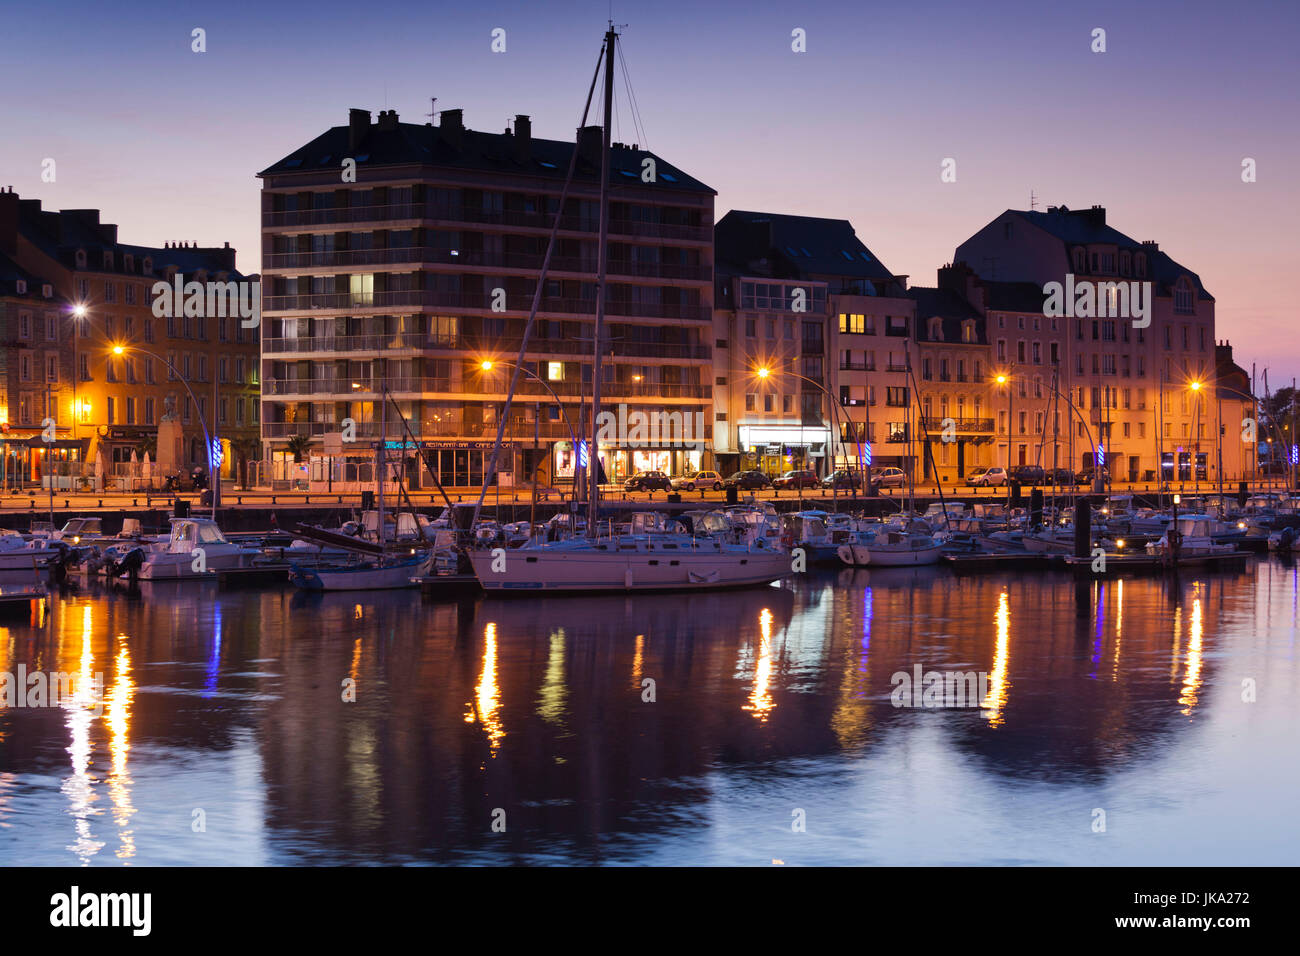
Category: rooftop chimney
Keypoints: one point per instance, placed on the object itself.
(387, 120)
(358, 127)
(452, 127)
(523, 142)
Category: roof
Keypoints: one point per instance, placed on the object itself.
(1088, 227)
(796, 247)
(952, 308)
(400, 144)
(10, 274)
(1013, 296)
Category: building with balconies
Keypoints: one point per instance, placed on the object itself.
(412, 277)
(1098, 373)
(782, 283)
(955, 430)
(94, 295)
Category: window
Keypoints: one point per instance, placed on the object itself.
(24, 325)
(84, 366)
(51, 327)
(129, 293)
(751, 401)
(554, 372)
(51, 368)
(853, 324)
(148, 411)
(896, 396)
(110, 411)
(1183, 303)
(1002, 350)
(767, 402)
(130, 410)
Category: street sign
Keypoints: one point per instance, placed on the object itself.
(333, 443)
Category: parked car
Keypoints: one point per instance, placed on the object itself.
(700, 479)
(888, 478)
(1028, 474)
(842, 479)
(1062, 476)
(796, 479)
(748, 480)
(987, 477)
(1086, 476)
(648, 481)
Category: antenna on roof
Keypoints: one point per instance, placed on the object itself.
(433, 109)
(1033, 201)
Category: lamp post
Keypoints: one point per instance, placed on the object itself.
(488, 365)
(1004, 378)
(764, 373)
(213, 471)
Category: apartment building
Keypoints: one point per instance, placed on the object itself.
(414, 280)
(61, 347)
(955, 434)
(1094, 370)
(805, 302)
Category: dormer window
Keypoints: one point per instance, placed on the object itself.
(21, 286)
(936, 329)
(1080, 260)
(108, 261)
(47, 291)
(81, 258)
(1141, 265)
(968, 331)
(1125, 264)
(128, 262)
(1184, 300)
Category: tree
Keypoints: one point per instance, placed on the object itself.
(297, 445)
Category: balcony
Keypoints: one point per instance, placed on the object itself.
(478, 390)
(896, 367)
(476, 344)
(519, 431)
(473, 301)
(982, 426)
(456, 214)
(526, 262)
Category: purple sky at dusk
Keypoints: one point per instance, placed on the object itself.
(166, 141)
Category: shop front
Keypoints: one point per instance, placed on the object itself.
(621, 462)
(773, 449)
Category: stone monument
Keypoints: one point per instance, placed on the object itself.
(170, 440)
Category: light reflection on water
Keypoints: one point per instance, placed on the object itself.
(233, 708)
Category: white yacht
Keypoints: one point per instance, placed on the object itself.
(196, 548)
(19, 554)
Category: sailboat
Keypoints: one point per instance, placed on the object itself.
(617, 562)
(372, 565)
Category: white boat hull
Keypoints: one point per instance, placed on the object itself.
(855, 555)
(901, 557)
(566, 569)
(362, 578)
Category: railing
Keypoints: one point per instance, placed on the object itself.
(398, 212)
(519, 302)
(962, 424)
(896, 367)
(345, 387)
(431, 255)
(476, 344)
(518, 431)
(856, 366)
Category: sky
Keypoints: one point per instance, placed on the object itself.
(167, 141)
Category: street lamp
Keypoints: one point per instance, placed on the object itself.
(488, 365)
(213, 471)
(763, 373)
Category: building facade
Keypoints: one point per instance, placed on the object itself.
(1123, 357)
(415, 280)
(94, 356)
(803, 301)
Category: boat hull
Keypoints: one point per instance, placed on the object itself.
(891, 558)
(576, 571)
(360, 578)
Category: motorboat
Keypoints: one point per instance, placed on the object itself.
(19, 554)
(1195, 539)
(195, 548)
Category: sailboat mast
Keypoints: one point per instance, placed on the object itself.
(381, 460)
(593, 449)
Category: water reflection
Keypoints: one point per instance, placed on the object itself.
(230, 701)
